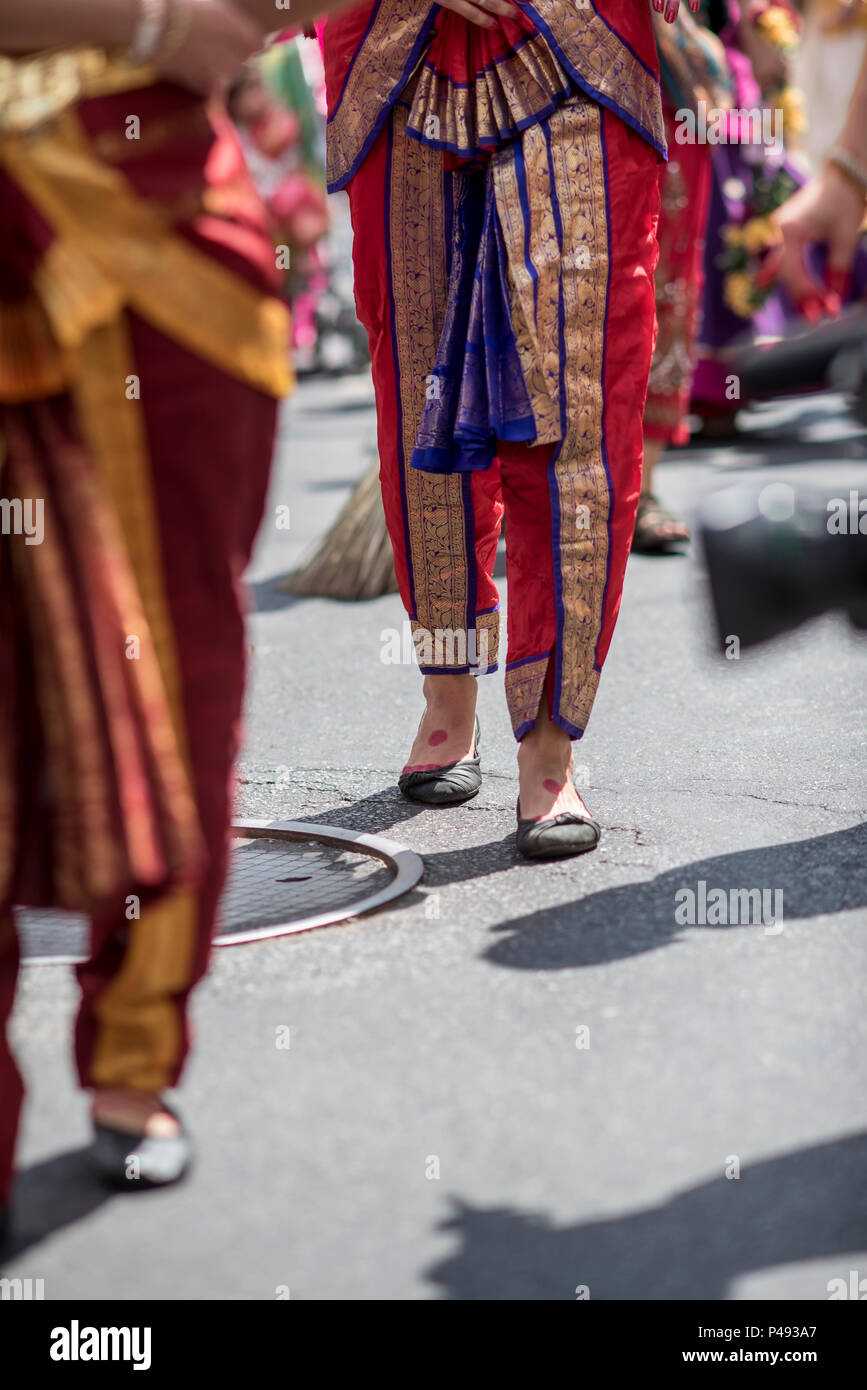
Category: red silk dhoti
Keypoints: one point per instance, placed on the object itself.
(141, 354)
(574, 198)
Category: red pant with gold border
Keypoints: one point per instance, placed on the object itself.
(586, 179)
(684, 183)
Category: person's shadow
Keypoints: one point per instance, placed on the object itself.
(49, 1195)
(823, 875)
(815, 877)
(802, 1206)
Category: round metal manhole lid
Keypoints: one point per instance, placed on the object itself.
(284, 877)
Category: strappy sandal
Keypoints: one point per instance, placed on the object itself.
(132, 1161)
(657, 532)
(448, 785)
(559, 837)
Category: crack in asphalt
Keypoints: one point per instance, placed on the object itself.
(291, 778)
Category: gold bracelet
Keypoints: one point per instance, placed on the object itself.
(851, 168)
(149, 31)
(176, 30)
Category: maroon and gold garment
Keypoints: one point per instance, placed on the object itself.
(143, 347)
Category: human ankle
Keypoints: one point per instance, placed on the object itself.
(449, 692)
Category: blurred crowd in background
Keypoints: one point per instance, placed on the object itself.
(278, 106)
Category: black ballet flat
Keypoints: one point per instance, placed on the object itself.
(558, 838)
(131, 1162)
(445, 786)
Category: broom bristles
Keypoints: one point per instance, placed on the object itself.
(354, 560)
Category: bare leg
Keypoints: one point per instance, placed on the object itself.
(545, 767)
(445, 734)
(133, 1112)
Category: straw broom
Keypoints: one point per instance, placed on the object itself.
(354, 560)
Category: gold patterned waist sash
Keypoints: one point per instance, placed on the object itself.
(113, 250)
(36, 88)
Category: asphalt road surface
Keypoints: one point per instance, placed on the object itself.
(522, 1081)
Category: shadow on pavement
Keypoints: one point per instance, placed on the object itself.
(807, 1205)
(819, 876)
(50, 1195)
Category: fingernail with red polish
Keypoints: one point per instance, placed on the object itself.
(840, 282)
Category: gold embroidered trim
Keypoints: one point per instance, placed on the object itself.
(435, 508)
(524, 688)
(604, 61)
(578, 172)
(372, 83)
(114, 249)
(514, 90)
(589, 47)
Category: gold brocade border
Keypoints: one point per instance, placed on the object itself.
(603, 60)
(139, 1034)
(376, 76)
(513, 90)
(589, 49)
(525, 685)
(434, 503)
(565, 167)
(578, 173)
(122, 248)
(535, 286)
(477, 647)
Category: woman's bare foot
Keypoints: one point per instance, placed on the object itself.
(545, 768)
(446, 732)
(134, 1112)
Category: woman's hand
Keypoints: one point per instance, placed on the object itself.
(219, 40)
(829, 211)
(669, 8)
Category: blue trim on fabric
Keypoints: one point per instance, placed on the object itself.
(470, 545)
(571, 729)
(449, 220)
(459, 670)
(392, 314)
(599, 97)
(492, 142)
(626, 44)
(337, 184)
(525, 660)
(524, 198)
(604, 441)
(362, 41)
(552, 476)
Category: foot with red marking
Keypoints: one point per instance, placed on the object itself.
(443, 767)
(553, 821)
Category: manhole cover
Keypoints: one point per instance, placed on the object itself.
(284, 877)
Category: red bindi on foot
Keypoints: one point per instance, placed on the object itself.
(438, 736)
(551, 786)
